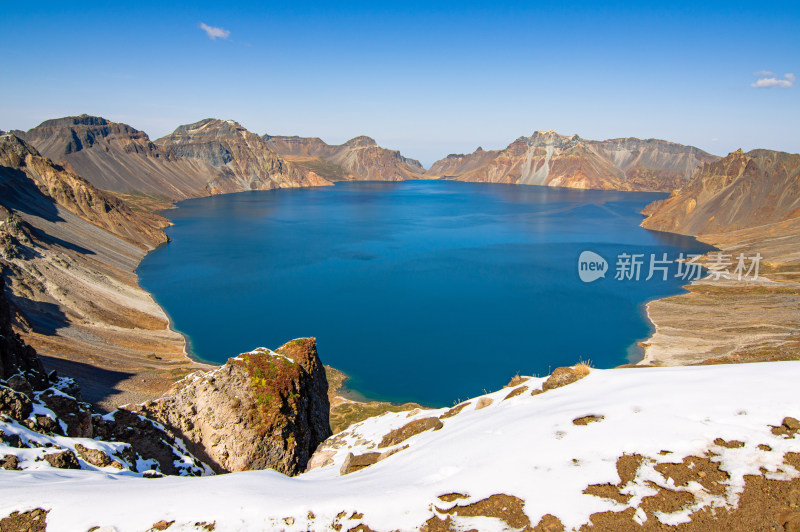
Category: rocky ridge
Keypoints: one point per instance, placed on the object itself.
(21, 164)
(208, 157)
(242, 160)
(358, 159)
(547, 158)
(740, 191)
(44, 423)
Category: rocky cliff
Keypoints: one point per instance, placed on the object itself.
(114, 156)
(547, 158)
(358, 159)
(209, 157)
(742, 190)
(241, 159)
(21, 165)
(263, 409)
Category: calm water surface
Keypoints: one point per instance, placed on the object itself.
(421, 291)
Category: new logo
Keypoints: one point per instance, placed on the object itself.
(591, 266)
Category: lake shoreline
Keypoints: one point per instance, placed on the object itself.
(509, 202)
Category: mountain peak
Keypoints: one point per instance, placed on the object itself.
(210, 123)
(361, 141)
(550, 138)
(80, 120)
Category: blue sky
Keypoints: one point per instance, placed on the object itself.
(427, 78)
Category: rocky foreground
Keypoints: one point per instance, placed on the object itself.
(692, 448)
(261, 410)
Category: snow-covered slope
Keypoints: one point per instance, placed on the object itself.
(526, 450)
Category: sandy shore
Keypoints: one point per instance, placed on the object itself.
(731, 321)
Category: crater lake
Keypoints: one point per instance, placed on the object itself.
(426, 291)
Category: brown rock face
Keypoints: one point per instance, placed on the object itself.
(358, 159)
(75, 415)
(209, 157)
(15, 355)
(21, 166)
(741, 191)
(32, 521)
(240, 160)
(547, 158)
(264, 409)
(147, 439)
(15, 405)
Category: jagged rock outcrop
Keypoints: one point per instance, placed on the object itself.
(15, 356)
(263, 409)
(742, 190)
(358, 159)
(122, 440)
(547, 158)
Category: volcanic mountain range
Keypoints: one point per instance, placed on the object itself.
(219, 156)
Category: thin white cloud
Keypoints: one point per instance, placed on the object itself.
(769, 80)
(213, 32)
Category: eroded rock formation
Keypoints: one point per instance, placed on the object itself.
(263, 409)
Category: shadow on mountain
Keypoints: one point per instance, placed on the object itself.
(97, 384)
(40, 316)
(46, 238)
(20, 193)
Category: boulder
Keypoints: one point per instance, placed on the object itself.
(63, 460)
(14, 404)
(9, 461)
(96, 457)
(355, 462)
(410, 429)
(563, 376)
(261, 410)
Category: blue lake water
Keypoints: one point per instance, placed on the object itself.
(424, 291)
